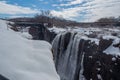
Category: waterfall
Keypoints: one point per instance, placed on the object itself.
(66, 51)
(82, 69)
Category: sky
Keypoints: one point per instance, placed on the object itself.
(78, 10)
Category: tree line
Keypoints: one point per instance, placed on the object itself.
(47, 17)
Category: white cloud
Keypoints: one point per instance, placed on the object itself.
(103, 8)
(54, 5)
(69, 13)
(73, 2)
(64, 0)
(89, 11)
(94, 9)
(18, 16)
(15, 9)
(69, 2)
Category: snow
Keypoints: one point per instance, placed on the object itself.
(25, 35)
(91, 39)
(80, 30)
(111, 49)
(57, 30)
(113, 59)
(90, 57)
(111, 71)
(88, 31)
(98, 69)
(23, 59)
(99, 76)
(110, 37)
(105, 33)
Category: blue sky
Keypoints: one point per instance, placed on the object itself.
(78, 10)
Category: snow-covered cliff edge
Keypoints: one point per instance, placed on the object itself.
(79, 57)
(22, 59)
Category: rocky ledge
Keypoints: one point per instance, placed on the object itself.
(78, 57)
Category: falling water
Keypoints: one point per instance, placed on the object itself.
(66, 51)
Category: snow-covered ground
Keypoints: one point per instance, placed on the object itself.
(105, 33)
(23, 59)
(111, 49)
(89, 30)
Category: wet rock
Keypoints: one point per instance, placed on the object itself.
(3, 78)
(104, 44)
(42, 33)
(117, 45)
(78, 58)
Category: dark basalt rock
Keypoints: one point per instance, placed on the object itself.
(104, 44)
(117, 45)
(80, 59)
(42, 33)
(3, 78)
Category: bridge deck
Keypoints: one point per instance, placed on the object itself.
(25, 24)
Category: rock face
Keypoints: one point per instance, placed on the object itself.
(41, 33)
(3, 78)
(80, 58)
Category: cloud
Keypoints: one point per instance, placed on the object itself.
(69, 2)
(17, 16)
(79, 10)
(99, 9)
(89, 11)
(73, 2)
(34, 6)
(15, 9)
(69, 13)
(54, 5)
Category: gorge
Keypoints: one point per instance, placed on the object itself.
(78, 56)
(83, 54)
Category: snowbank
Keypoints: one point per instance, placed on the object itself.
(111, 49)
(57, 30)
(22, 59)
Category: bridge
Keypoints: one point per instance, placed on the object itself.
(26, 24)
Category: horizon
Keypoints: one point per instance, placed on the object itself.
(75, 10)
